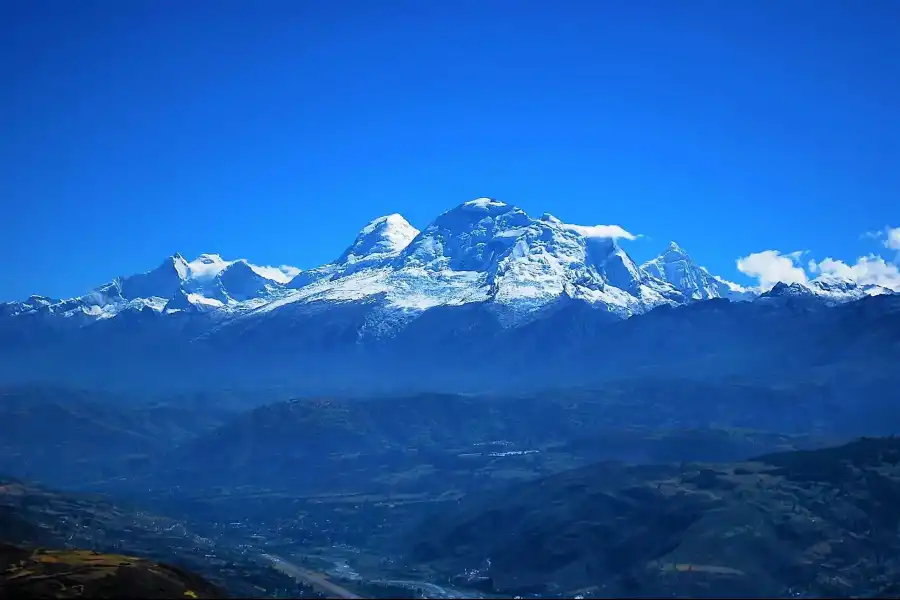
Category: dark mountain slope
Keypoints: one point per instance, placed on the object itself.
(812, 524)
(70, 437)
(318, 444)
(349, 348)
(33, 517)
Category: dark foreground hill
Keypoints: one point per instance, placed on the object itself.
(821, 523)
(41, 573)
(33, 518)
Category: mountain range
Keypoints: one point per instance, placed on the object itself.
(482, 281)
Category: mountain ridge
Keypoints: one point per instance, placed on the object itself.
(483, 287)
(481, 249)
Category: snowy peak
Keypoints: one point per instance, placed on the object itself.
(789, 290)
(375, 246)
(836, 290)
(611, 261)
(240, 281)
(676, 267)
(383, 236)
(829, 289)
(480, 251)
(213, 278)
(485, 250)
(33, 303)
(548, 218)
(524, 263)
(161, 282)
(826, 289)
(839, 286)
(179, 264)
(208, 281)
(675, 253)
(39, 301)
(206, 267)
(470, 237)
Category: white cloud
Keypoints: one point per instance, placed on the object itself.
(602, 231)
(281, 274)
(889, 236)
(892, 238)
(771, 267)
(868, 270)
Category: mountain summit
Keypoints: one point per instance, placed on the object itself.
(484, 288)
(481, 252)
(382, 237)
(485, 251)
(676, 267)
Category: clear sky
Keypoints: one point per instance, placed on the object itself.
(275, 130)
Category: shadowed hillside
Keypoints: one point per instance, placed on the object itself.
(809, 523)
(34, 518)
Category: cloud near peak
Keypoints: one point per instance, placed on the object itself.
(868, 270)
(892, 238)
(602, 231)
(771, 266)
(281, 274)
(889, 236)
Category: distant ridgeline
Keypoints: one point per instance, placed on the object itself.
(485, 297)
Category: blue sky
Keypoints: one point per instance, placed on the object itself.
(275, 130)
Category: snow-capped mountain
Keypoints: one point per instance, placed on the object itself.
(383, 238)
(208, 282)
(480, 252)
(676, 267)
(484, 251)
(374, 247)
(836, 289)
(826, 289)
(484, 288)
